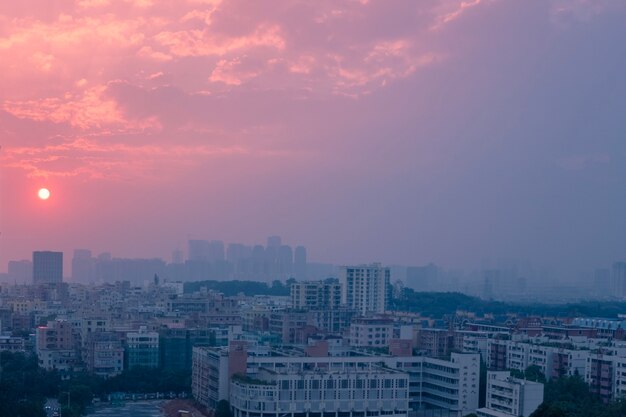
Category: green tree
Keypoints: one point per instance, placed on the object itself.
(223, 409)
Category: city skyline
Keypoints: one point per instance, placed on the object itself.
(443, 131)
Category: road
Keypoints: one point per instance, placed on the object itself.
(131, 409)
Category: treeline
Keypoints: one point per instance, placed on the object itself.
(570, 397)
(248, 288)
(440, 304)
(24, 386)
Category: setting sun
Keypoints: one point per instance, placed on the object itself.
(44, 193)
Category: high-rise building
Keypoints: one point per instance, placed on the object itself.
(365, 287)
(274, 242)
(83, 266)
(316, 295)
(216, 251)
(20, 271)
(299, 262)
(47, 267)
(198, 250)
(619, 279)
(177, 257)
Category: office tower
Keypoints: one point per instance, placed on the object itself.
(274, 242)
(299, 262)
(83, 266)
(285, 261)
(259, 267)
(365, 287)
(216, 251)
(619, 279)
(198, 250)
(20, 271)
(47, 267)
(177, 257)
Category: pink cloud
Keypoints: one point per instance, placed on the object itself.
(88, 109)
(90, 159)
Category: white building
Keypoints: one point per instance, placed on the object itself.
(371, 332)
(315, 295)
(433, 383)
(287, 393)
(510, 397)
(553, 360)
(210, 377)
(365, 287)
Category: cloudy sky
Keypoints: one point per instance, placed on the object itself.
(404, 131)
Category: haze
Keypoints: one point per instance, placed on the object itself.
(403, 132)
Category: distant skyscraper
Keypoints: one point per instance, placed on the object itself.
(299, 262)
(47, 267)
(216, 251)
(274, 242)
(618, 278)
(285, 260)
(198, 250)
(83, 266)
(365, 287)
(177, 257)
(20, 271)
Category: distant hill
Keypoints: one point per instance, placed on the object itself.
(438, 304)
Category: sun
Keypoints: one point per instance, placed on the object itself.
(43, 193)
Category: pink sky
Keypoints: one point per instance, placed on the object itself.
(402, 131)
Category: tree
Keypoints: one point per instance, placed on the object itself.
(532, 373)
(223, 409)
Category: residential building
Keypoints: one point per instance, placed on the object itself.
(316, 295)
(365, 288)
(510, 397)
(371, 332)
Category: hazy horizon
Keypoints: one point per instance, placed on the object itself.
(442, 131)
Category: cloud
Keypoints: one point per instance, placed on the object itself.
(86, 110)
(204, 43)
(92, 159)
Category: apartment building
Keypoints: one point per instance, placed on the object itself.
(510, 397)
(56, 346)
(316, 295)
(371, 332)
(365, 287)
(553, 360)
